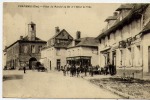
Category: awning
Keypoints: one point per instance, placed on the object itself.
(78, 57)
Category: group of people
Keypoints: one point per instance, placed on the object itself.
(75, 70)
(109, 69)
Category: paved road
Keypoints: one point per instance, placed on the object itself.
(51, 85)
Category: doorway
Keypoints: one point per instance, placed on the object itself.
(31, 60)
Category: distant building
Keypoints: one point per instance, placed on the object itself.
(83, 51)
(126, 42)
(25, 50)
(54, 54)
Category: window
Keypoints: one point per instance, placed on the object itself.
(32, 48)
(25, 49)
(58, 52)
(39, 49)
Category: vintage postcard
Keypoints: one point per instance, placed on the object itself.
(76, 50)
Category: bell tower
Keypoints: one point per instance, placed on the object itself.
(31, 31)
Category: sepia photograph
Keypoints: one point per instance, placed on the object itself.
(76, 50)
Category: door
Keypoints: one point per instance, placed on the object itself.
(149, 59)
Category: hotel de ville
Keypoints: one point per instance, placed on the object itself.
(125, 41)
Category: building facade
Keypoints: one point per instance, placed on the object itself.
(54, 54)
(124, 43)
(25, 50)
(83, 51)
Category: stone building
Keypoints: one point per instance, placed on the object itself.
(126, 44)
(25, 50)
(83, 51)
(54, 54)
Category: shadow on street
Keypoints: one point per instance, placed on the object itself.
(12, 77)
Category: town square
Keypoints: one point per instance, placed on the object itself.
(60, 50)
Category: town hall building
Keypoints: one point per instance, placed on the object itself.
(25, 50)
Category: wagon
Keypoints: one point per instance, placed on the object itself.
(41, 68)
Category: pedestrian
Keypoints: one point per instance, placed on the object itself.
(64, 70)
(78, 70)
(85, 69)
(106, 70)
(71, 70)
(110, 68)
(24, 69)
(68, 68)
(92, 71)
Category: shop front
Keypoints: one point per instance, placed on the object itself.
(79, 60)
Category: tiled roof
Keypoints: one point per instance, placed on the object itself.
(86, 42)
(125, 6)
(36, 39)
(134, 14)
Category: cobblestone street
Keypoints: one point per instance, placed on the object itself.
(35, 84)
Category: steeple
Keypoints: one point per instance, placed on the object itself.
(31, 31)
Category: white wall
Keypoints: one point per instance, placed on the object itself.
(84, 51)
(146, 43)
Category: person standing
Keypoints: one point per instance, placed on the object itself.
(64, 70)
(78, 70)
(24, 69)
(85, 69)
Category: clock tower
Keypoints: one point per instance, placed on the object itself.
(31, 31)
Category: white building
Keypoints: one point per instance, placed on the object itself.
(83, 51)
(126, 44)
(54, 54)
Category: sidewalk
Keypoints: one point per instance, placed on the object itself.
(99, 77)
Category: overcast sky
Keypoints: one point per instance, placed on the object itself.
(88, 20)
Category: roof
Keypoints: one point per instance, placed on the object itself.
(125, 6)
(146, 28)
(25, 39)
(86, 42)
(36, 39)
(59, 33)
(31, 23)
(135, 13)
(111, 18)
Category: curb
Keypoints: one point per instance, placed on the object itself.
(126, 96)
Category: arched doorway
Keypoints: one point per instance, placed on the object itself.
(30, 62)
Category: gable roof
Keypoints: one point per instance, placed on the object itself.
(60, 33)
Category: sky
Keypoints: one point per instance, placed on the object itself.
(89, 20)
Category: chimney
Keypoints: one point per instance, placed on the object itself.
(57, 29)
(115, 13)
(78, 35)
(21, 37)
